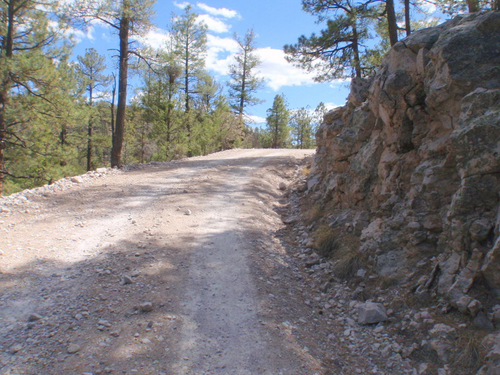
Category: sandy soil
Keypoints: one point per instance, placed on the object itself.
(162, 269)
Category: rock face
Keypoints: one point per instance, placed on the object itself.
(408, 171)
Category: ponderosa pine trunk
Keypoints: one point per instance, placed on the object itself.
(3, 134)
(7, 53)
(355, 50)
(473, 6)
(119, 130)
(391, 21)
(90, 130)
(407, 18)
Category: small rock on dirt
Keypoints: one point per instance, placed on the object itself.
(15, 348)
(126, 279)
(146, 306)
(371, 313)
(34, 317)
(73, 348)
(77, 179)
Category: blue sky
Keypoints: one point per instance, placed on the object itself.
(275, 23)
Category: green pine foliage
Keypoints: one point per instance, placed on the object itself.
(244, 79)
(39, 104)
(58, 117)
(302, 128)
(278, 117)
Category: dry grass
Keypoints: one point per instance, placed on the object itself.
(347, 266)
(324, 240)
(314, 213)
(306, 170)
(468, 357)
(340, 247)
(386, 282)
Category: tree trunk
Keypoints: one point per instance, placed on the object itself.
(169, 118)
(6, 52)
(113, 96)
(473, 6)
(392, 23)
(63, 135)
(3, 134)
(119, 132)
(407, 18)
(90, 131)
(187, 99)
(355, 49)
(89, 146)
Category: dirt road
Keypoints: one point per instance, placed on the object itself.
(162, 269)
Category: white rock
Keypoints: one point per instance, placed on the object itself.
(361, 273)
(440, 329)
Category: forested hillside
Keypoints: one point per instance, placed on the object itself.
(62, 114)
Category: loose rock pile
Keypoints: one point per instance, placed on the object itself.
(23, 200)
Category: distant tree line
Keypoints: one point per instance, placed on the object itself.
(61, 115)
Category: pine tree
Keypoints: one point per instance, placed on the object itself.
(91, 67)
(277, 123)
(130, 18)
(161, 107)
(190, 39)
(228, 133)
(337, 51)
(34, 86)
(340, 50)
(301, 124)
(244, 80)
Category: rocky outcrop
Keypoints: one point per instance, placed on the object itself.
(407, 173)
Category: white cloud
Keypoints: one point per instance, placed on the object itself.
(156, 38)
(224, 12)
(274, 69)
(220, 53)
(222, 44)
(330, 106)
(277, 72)
(75, 35)
(182, 5)
(255, 119)
(346, 82)
(214, 24)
